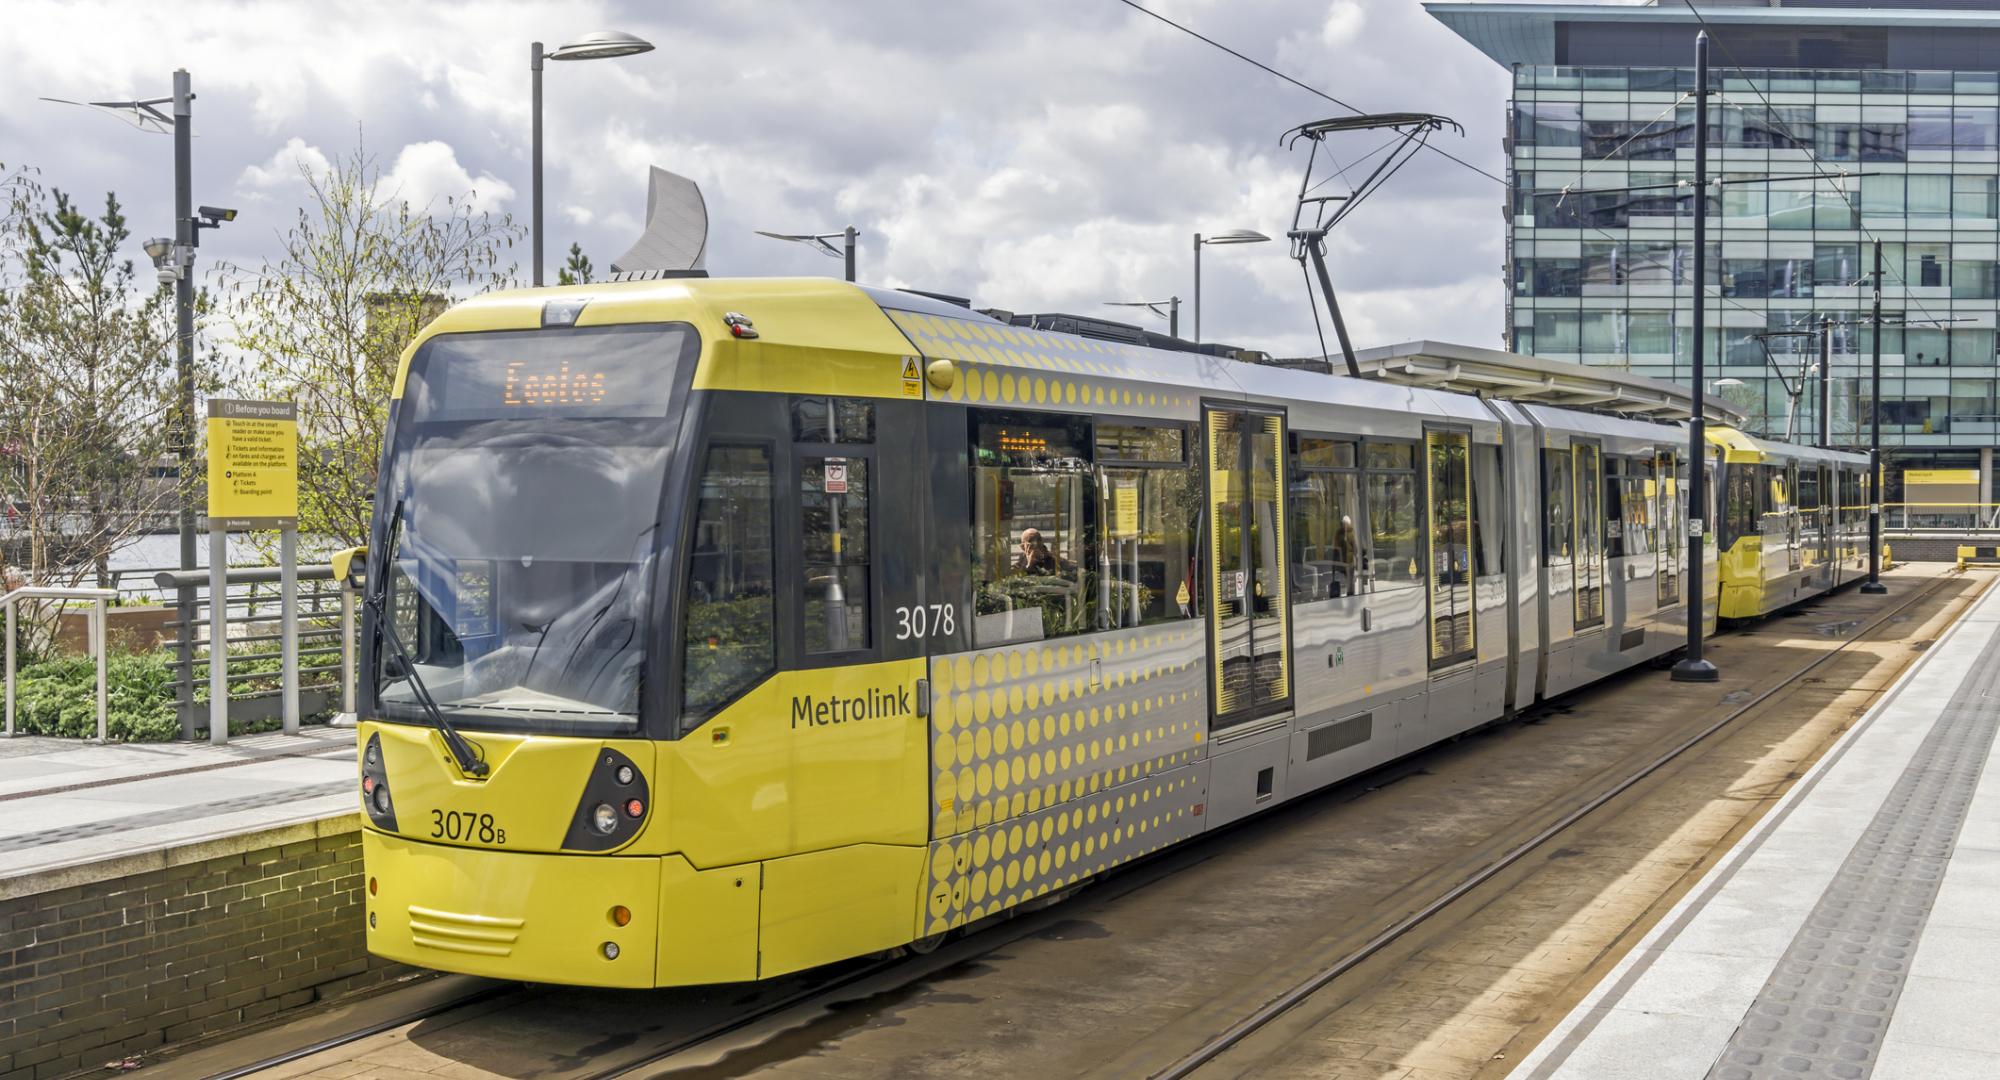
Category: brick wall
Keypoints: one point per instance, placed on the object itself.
(106, 961)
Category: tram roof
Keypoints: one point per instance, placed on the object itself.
(1492, 373)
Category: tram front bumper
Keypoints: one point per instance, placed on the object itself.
(535, 917)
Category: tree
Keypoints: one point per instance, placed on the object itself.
(325, 322)
(578, 270)
(86, 390)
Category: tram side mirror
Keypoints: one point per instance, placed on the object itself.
(392, 668)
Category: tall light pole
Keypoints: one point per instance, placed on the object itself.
(174, 261)
(1172, 313)
(1874, 583)
(1825, 383)
(1233, 236)
(823, 243)
(1693, 667)
(602, 45)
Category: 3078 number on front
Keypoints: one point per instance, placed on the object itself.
(453, 825)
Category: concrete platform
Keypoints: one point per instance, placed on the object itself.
(1855, 932)
(66, 805)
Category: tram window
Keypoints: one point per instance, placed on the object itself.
(1740, 510)
(729, 642)
(1325, 533)
(1392, 532)
(1325, 453)
(1635, 511)
(833, 420)
(1158, 445)
(833, 513)
(1390, 456)
(1558, 496)
(1031, 501)
(1489, 527)
(1149, 514)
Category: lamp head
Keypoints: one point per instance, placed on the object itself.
(1236, 236)
(602, 45)
(159, 249)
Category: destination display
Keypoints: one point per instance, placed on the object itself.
(626, 373)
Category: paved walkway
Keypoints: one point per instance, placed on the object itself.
(66, 804)
(1855, 933)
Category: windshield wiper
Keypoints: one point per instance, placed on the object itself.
(469, 761)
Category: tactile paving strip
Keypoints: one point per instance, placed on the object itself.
(83, 830)
(1826, 1006)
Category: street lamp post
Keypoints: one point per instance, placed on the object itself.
(1233, 236)
(1825, 383)
(823, 243)
(1693, 667)
(174, 261)
(1874, 584)
(601, 45)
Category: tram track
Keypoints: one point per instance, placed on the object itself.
(1301, 991)
(798, 1005)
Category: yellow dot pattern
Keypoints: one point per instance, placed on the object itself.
(1023, 731)
(1008, 365)
(1002, 864)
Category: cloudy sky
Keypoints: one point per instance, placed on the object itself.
(1036, 155)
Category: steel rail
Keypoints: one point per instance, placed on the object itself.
(1297, 994)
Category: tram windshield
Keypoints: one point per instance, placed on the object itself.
(524, 491)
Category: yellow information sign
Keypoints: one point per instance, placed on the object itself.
(913, 378)
(1125, 511)
(253, 464)
(1940, 476)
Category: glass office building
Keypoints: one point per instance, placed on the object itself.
(1834, 125)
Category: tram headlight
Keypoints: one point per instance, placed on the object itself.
(605, 818)
(381, 798)
(610, 950)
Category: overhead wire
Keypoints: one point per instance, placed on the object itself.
(1812, 157)
(1715, 292)
(1314, 90)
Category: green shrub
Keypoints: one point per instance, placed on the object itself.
(59, 697)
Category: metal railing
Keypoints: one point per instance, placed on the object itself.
(1921, 518)
(99, 615)
(252, 616)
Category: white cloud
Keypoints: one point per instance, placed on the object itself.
(1054, 164)
(428, 173)
(293, 162)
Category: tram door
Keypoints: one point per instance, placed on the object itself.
(1789, 501)
(1250, 620)
(1672, 520)
(1448, 504)
(1588, 476)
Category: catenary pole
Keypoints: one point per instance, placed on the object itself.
(1693, 667)
(1874, 583)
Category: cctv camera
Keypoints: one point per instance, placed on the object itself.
(217, 213)
(168, 275)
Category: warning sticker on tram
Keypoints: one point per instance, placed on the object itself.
(913, 378)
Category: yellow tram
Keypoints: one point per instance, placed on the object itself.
(718, 628)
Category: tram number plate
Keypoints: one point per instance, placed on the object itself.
(933, 620)
(453, 825)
